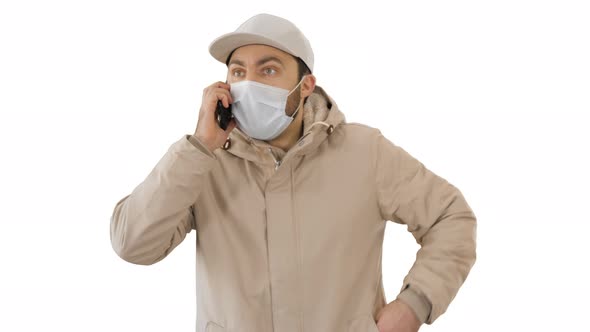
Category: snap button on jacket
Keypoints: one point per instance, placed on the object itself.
(292, 240)
(227, 144)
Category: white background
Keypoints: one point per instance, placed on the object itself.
(494, 96)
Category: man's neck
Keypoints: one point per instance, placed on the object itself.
(291, 135)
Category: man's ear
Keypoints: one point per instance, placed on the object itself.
(308, 85)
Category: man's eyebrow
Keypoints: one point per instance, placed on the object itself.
(268, 59)
(236, 61)
(259, 62)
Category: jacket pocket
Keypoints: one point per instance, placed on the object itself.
(214, 327)
(364, 323)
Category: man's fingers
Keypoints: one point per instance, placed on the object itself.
(222, 85)
(225, 98)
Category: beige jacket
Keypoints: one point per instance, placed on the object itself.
(292, 241)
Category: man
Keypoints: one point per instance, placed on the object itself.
(290, 204)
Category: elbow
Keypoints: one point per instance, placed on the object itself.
(473, 239)
(467, 249)
(128, 247)
(462, 238)
(474, 253)
(132, 256)
(132, 251)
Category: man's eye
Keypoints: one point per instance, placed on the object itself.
(269, 71)
(237, 73)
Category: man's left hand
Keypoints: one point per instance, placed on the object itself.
(397, 316)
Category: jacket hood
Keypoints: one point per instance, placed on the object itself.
(321, 116)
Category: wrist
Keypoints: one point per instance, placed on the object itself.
(417, 302)
(203, 143)
(207, 143)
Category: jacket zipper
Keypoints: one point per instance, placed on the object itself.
(277, 162)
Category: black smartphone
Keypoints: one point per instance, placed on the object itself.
(223, 114)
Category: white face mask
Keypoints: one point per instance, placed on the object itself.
(259, 109)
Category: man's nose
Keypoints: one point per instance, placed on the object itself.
(250, 75)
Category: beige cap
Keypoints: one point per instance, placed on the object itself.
(268, 30)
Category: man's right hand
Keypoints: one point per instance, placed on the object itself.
(208, 130)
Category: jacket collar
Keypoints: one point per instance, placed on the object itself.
(321, 117)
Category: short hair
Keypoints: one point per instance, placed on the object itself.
(303, 69)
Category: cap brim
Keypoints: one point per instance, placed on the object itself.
(221, 47)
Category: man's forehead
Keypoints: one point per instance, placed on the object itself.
(259, 51)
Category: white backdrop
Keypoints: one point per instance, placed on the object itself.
(494, 96)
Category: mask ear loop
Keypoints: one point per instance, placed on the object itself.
(296, 86)
(297, 110)
(298, 107)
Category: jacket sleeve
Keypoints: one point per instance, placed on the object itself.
(439, 218)
(147, 224)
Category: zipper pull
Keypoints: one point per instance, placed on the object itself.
(277, 162)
